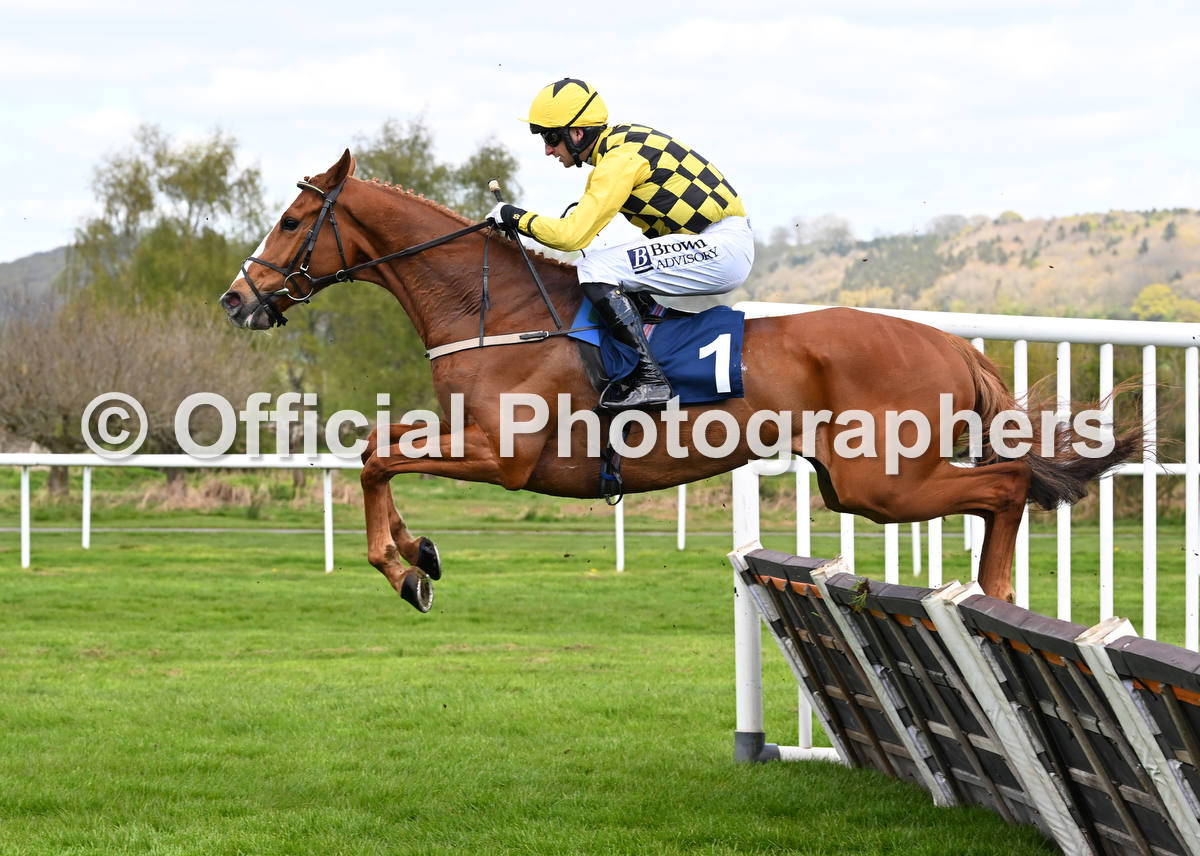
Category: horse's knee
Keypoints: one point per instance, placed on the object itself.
(372, 445)
(373, 473)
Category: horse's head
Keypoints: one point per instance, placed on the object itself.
(276, 275)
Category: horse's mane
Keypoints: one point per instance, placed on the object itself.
(451, 213)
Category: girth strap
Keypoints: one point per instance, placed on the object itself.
(504, 339)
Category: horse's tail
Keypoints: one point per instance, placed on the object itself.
(1063, 475)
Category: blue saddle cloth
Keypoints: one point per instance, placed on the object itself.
(700, 354)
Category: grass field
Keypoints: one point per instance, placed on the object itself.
(172, 693)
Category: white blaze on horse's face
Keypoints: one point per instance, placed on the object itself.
(246, 264)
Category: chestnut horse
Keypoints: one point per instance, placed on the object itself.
(836, 360)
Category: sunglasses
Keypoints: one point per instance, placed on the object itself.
(552, 138)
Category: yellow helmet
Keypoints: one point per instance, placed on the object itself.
(566, 103)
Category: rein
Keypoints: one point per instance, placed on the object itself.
(298, 268)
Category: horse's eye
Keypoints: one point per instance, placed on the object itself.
(289, 224)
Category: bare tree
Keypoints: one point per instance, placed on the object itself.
(57, 359)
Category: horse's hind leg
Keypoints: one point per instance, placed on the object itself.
(999, 546)
(995, 492)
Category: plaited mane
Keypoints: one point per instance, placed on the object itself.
(449, 212)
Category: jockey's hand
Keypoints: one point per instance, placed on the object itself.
(506, 216)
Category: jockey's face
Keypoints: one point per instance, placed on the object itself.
(560, 151)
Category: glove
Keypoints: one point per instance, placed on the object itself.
(506, 216)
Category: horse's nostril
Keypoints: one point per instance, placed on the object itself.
(231, 300)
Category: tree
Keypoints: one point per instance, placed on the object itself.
(1159, 302)
(405, 155)
(58, 358)
(947, 225)
(833, 232)
(175, 220)
(469, 194)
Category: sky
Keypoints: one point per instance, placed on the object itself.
(885, 114)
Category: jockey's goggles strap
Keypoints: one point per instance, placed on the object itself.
(591, 98)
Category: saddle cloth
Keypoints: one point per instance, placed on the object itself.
(700, 354)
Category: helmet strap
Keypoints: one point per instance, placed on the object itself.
(576, 150)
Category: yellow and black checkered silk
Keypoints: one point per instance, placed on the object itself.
(660, 185)
(684, 194)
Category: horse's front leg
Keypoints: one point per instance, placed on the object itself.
(385, 552)
(419, 551)
(407, 561)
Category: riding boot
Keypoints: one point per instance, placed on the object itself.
(648, 385)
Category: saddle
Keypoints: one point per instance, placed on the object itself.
(700, 353)
(652, 313)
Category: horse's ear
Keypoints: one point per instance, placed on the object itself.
(337, 173)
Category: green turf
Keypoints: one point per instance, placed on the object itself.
(180, 693)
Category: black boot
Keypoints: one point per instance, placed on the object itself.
(648, 385)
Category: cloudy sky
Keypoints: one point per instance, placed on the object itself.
(887, 114)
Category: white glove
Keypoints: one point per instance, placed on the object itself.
(506, 216)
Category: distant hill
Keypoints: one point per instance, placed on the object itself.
(1122, 264)
(32, 275)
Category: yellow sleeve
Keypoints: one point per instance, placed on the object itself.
(609, 185)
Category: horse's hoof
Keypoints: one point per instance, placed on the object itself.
(428, 559)
(417, 590)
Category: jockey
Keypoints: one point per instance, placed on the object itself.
(697, 238)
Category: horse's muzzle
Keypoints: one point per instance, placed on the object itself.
(231, 302)
(242, 313)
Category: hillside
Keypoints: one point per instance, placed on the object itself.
(1084, 265)
(31, 276)
(35, 272)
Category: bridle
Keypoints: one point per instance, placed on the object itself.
(297, 270)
